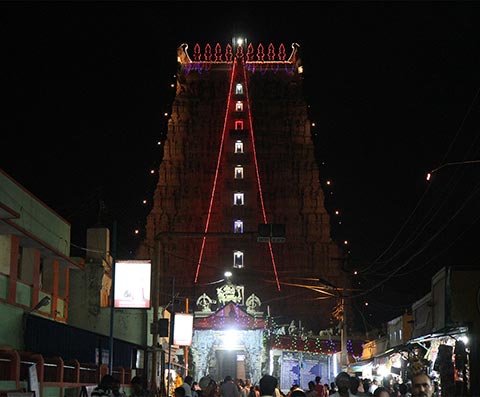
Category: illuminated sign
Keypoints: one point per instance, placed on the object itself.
(132, 284)
(183, 329)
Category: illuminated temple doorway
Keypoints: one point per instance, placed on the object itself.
(229, 341)
(230, 362)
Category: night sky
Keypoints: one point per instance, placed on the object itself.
(392, 87)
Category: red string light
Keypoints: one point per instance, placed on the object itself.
(212, 195)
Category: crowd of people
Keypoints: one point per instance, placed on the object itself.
(345, 385)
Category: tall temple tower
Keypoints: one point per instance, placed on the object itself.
(238, 156)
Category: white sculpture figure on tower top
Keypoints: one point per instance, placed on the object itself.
(253, 301)
(292, 328)
(230, 293)
(204, 301)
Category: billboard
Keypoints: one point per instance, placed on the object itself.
(132, 284)
(183, 329)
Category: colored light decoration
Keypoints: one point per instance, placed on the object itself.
(349, 347)
(212, 194)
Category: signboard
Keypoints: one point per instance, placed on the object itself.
(183, 329)
(33, 380)
(290, 371)
(132, 284)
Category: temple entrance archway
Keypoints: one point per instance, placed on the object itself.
(229, 341)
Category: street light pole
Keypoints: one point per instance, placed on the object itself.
(429, 174)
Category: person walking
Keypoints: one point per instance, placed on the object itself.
(268, 384)
(187, 385)
(381, 391)
(138, 387)
(311, 389)
(342, 381)
(229, 388)
(422, 385)
(356, 387)
(105, 387)
(319, 387)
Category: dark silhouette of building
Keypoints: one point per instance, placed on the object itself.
(239, 154)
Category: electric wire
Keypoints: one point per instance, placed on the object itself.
(419, 202)
(422, 249)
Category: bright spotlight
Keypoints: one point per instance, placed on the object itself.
(228, 274)
(230, 339)
(239, 42)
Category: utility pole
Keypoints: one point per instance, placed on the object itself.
(155, 299)
(186, 347)
(112, 293)
(344, 357)
(343, 318)
(170, 336)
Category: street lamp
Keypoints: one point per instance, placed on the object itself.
(429, 174)
(342, 314)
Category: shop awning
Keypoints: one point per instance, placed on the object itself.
(359, 366)
(389, 352)
(450, 331)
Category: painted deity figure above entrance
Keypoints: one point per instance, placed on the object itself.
(230, 293)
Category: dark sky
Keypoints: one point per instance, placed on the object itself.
(392, 87)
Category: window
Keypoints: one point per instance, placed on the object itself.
(238, 226)
(238, 172)
(239, 147)
(239, 89)
(238, 199)
(20, 265)
(239, 106)
(238, 125)
(40, 277)
(238, 259)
